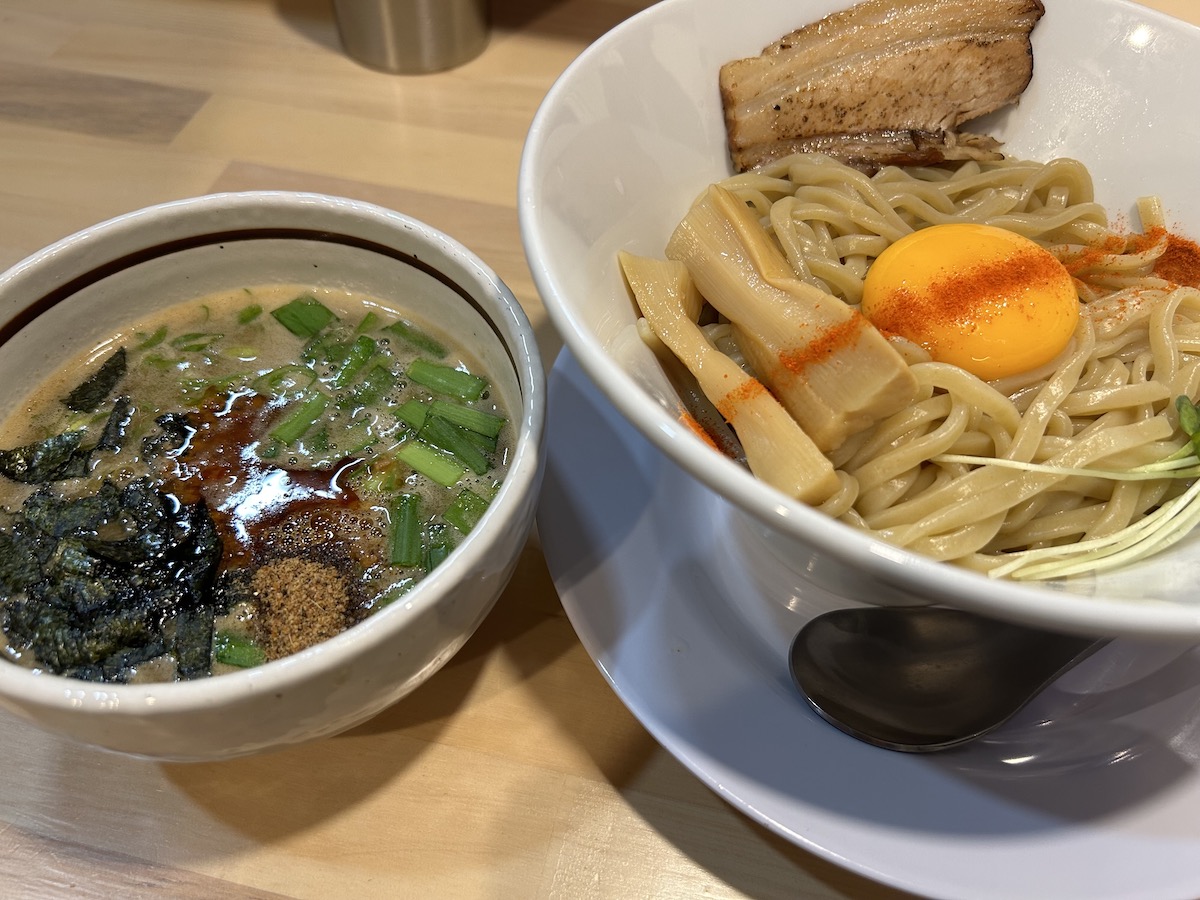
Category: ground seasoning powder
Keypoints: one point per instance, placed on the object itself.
(1180, 262)
(300, 603)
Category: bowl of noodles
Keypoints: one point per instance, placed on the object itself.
(1054, 485)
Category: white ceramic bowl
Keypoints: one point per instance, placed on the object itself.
(65, 297)
(633, 131)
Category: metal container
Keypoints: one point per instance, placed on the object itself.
(412, 36)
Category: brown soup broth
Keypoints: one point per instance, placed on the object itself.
(271, 465)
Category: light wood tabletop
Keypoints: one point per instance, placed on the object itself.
(516, 771)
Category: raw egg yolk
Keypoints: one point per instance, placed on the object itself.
(979, 297)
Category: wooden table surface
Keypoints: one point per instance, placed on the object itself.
(515, 772)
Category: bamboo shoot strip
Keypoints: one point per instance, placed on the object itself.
(777, 449)
(830, 368)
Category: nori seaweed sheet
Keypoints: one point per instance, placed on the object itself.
(174, 430)
(96, 585)
(88, 396)
(52, 459)
(115, 429)
(62, 455)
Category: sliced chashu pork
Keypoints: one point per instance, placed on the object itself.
(884, 82)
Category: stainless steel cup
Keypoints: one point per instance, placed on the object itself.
(412, 36)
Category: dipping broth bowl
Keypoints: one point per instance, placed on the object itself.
(59, 302)
(633, 131)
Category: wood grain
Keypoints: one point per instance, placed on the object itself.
(516, 772)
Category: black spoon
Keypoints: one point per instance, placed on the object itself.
(924, 678)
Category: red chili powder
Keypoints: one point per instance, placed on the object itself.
(1090, 257)
(1180, 264)
(968, 296)
(748, 390)
(697, 429)
(825, 344)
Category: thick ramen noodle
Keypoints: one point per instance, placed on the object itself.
(1082, 452)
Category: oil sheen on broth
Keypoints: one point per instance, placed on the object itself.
(239, 479)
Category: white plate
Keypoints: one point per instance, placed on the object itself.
(1092, 792)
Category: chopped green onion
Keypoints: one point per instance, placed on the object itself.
(360, 353)
(436, 553)
(412, 412)
(468, 417)
(248, 314)
(377, 382)
(319, 442)
(415, 336)
(293, 427)
(304, 316)
(356, 437)
(235, 649)
(370, 479)
(195, 341)
(153, 340)
(452, 439)
(369, 321)
(404, 545)
(286, 380)
(326, 348)
(482, 441)
(431, 462)
(447, 380)
(391, 594)
(158, 361)
(466, 510)
(194, 387)
(1189, 420)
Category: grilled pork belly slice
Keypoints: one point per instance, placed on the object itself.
(884, 82)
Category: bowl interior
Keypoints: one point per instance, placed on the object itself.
(76, 317)
(633, 131)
